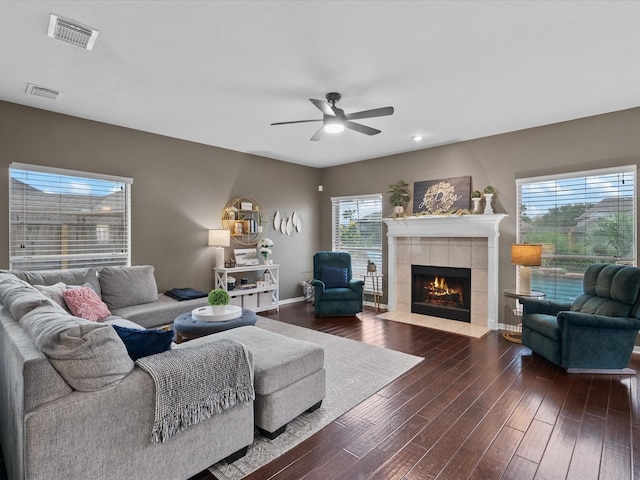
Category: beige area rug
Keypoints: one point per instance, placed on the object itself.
(451, 326)
(355, 371)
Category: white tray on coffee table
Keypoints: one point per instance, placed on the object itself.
(216, 313)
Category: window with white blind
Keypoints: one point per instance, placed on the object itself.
(61, 219)
(357, 229)
(580, 218)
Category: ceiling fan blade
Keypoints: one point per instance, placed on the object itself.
(361, 128)
(324, 107)
(376, 112)
(318, 135)
(296, 121)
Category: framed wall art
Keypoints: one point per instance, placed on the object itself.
(439, 197)
(246, 256)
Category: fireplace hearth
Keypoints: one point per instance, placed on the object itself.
(441, 292)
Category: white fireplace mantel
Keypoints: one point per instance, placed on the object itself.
(486, 226)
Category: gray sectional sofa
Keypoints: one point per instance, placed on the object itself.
(74, 405)
(51, 428)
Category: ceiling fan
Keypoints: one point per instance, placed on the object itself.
(334, 120)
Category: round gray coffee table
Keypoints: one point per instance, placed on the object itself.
(186, 327)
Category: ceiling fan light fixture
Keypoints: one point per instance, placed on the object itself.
(334, 127)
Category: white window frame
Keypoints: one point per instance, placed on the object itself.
(358, 263)
(550, 256)
(90, 248)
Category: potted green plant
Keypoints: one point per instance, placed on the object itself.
(371, 267)
(399, 197)
(488, 197)
(218, 298)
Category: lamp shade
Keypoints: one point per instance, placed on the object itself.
(219, 238)
(526, 254)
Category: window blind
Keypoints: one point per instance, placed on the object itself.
(579, 218)
(60, 219)
(357, 229)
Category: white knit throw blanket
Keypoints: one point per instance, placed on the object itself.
(192, 384)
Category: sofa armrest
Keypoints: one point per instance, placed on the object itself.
(357, 285)
(597, 321)
(318, 285)
(546, 307)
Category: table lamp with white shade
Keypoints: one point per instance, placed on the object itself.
(219, 239)
(525, 255)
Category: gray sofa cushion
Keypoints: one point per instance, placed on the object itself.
(161, 312)
(55, 292)
(77, 276)
(127, 286)
(90, 356)
(19, 298)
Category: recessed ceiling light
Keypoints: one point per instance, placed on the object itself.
(417, 138)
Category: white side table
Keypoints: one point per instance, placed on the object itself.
(512, 313)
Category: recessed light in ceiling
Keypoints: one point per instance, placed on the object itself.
(72, 32)
(42, 92)
(417, 138)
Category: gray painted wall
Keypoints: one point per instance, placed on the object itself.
(179, 191)
(594, 142)
(180, 188)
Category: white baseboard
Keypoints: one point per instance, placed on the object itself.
(291, 300)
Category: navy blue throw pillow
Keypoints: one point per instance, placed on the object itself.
(334, 277)
(141, 343)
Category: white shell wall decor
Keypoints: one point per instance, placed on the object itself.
(287, 225)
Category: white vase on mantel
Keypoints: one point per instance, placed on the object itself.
(488, 208)
(477, 207)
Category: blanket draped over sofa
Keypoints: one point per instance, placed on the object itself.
(192, 384)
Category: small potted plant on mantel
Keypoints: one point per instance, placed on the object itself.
(399, 197)
(218, 298)
(488, 197)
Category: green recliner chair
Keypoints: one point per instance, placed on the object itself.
(595, 333)
(336, 292)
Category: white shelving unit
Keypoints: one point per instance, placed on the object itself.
(258, 299)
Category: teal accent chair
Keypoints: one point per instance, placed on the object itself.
(595, 333)
(336, 292)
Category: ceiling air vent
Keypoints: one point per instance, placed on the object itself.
(72, 32)
(42, 92)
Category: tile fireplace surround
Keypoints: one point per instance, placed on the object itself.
(468, 241)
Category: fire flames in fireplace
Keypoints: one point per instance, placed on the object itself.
(441, 292)
(438, 292)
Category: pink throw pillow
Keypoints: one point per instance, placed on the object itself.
(85, 303)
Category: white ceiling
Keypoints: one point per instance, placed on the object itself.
(219, 72)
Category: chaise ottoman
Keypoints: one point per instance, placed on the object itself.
(289, 376)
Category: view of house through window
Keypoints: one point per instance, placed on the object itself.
(580, 219)
(357, 229)
(60, 219)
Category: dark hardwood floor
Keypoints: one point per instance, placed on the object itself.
(474, 409)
